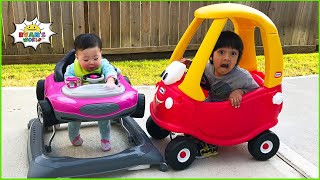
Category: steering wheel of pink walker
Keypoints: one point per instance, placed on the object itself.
(93, 78)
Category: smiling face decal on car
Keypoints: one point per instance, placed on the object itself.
(160, 95)
(173, 73)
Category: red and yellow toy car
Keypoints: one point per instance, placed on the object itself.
(178, 105)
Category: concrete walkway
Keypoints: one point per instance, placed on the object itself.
(297, 130)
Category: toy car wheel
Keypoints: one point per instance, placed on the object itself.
(180, 152)
(154, 130)
(264, 146)
(45, 113)
(127, 79)
(40, 90)
(139, 112)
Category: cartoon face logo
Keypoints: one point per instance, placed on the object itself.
(32, 28)
(32, 33)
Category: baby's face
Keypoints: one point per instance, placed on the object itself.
(224, 60)
(89, 59)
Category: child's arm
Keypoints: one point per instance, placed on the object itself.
(69, 71)
(109, 72)
(248, 85)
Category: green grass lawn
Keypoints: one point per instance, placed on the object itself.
(147, 72)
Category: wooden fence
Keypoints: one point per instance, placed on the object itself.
(139, 27)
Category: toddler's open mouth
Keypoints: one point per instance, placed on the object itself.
(224, 66)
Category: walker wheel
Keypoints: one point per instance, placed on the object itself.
(163, 167)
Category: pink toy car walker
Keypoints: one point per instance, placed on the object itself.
(61, 100)
(65, 100)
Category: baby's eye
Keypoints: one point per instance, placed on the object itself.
(96, 58)
(85, 60)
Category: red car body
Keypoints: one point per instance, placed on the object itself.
(217, 122)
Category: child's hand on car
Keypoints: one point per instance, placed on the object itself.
(235, 98)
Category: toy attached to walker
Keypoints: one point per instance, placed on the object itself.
(178, 105)
(62, 101)
(73, 82)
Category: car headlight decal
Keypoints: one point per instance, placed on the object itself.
(173, 73)
(278, 98)
(168, 103)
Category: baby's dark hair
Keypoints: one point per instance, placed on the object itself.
(229, 39)
(85, 41)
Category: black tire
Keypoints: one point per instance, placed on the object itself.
(139, 112)
(127, 79)
(155, 131)
(180, 152)
(40, 90)
(46, 114)
(264, 146)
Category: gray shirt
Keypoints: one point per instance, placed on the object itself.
(221, 87)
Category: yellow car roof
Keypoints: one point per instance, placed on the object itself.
(232, 10)
(245, 19)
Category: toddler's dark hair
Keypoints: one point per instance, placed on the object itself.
(229, 39)
(85, 41)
